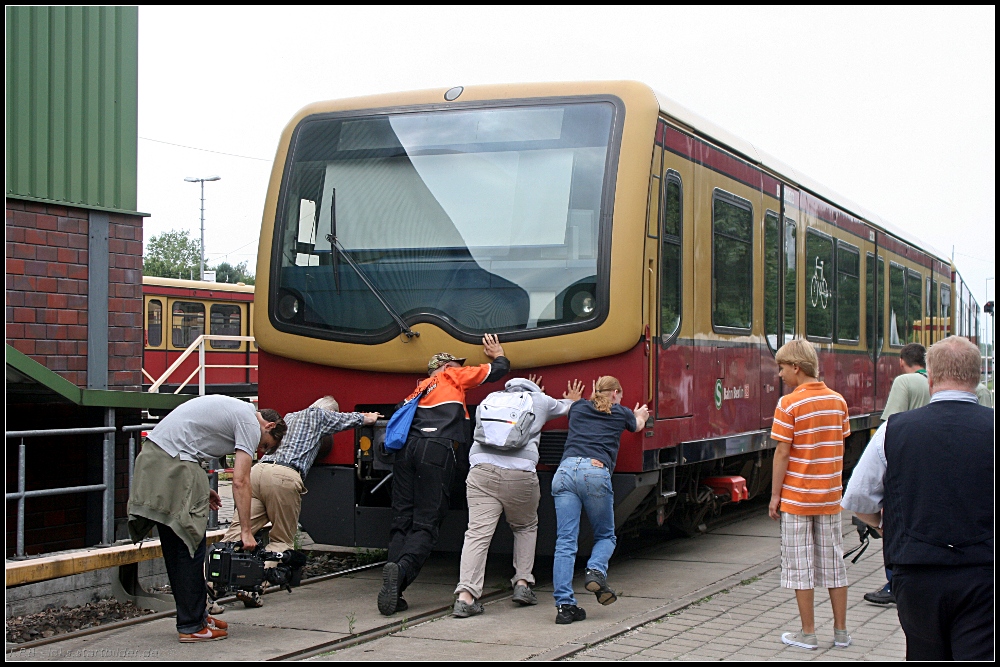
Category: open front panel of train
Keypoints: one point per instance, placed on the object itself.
(596, 234)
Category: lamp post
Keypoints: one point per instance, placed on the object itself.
(191, 179)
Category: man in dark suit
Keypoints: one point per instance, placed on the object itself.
(930, 471)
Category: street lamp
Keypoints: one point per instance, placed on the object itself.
(191, 179)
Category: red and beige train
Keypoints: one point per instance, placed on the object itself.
(176, 312)
(598, 228)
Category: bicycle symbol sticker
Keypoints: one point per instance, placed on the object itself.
(819, 290)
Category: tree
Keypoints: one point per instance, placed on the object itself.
(228, 273)
(172, 254)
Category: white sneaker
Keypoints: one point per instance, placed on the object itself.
(800, 639)
(841, 639)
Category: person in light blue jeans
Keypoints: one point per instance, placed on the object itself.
(583, 481)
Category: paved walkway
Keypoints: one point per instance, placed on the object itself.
(745, 622)
(655, 582)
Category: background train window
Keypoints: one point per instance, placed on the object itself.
(670, 258)
(945, 311)
(914, 287)
(820, 284)
(897, 304)
(848, 293)
(188, 322)
(772, 261)
(732, 253)
(154, 323)
(791, 279)
(224, 320)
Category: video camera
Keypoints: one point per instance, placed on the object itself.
(230, 568)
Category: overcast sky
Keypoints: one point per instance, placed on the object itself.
(891, 107)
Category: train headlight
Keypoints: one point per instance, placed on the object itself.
(288, 307)
(582, 304)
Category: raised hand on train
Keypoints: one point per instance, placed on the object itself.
(574, 390)
(537, 379)
(491, 346)
(641, 413)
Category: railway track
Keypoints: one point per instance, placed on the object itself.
(630, 548)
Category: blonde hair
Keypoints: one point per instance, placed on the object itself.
(954, 360)
(801, 353)
(605, 385)
(327, 403)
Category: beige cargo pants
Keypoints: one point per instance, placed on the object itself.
(492, 490)
(277, 498)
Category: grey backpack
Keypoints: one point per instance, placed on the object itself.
(504, 419)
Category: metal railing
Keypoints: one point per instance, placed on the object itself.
(108, 485)
(198, 344)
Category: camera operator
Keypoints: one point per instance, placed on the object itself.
(276, 482)
(170, 492)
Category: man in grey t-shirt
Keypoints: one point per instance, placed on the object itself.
(170, 492)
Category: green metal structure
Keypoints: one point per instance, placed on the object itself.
(72, 105)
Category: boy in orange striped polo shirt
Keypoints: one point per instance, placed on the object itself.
(810, 425)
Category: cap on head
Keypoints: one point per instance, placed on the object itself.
(440, 359)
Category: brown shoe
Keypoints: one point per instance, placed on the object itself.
(206, 634)
(216, 623)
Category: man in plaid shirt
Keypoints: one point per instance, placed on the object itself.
(276, 481)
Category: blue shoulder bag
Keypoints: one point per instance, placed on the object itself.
(398, 427)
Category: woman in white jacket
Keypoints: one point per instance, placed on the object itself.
(504, 481)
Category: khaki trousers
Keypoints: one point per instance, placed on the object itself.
(491, 491)
(277, 498)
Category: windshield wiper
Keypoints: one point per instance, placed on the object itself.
(336, 246)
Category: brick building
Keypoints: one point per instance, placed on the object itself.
(49, 292)
(74, 334)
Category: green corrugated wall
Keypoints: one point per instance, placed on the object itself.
(72, 105)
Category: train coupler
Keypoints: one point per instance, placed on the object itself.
(734, 485)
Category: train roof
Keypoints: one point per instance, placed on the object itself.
(709, 130)
(156, 281)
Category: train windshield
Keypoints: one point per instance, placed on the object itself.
(479, 220)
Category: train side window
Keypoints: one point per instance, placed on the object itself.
(670, 257)
(914, 299)
(848, 293)
(791, 279)
(819, 267)
(732, 258)
(897, 305)
(881, 302)
(188, 322)
(772, 261)
(932, 314)
(945, 311)
(154, 323)
(224, 319)
(874, 322)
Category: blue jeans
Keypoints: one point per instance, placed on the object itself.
(579, 484)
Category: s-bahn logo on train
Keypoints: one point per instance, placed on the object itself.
(723, 394)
